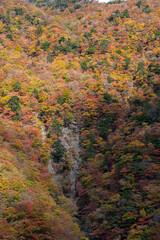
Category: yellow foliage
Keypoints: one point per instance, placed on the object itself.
(136, 145)
(59, 64)
(87, 180)
(47, 109)
(143, 213)
(4, 100)
(1, 26)
(35, 82)
(115, 198)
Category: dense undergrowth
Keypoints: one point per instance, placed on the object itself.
(97, 65)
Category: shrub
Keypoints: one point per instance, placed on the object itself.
(16, 86)
(60, 99)
(107, 98)
(7, 28)
(62, 39)
(56, 126)
(90, 150)
(91, 49)
(139, 48)
(45, 45)
(58, 150)
(139, 3)
(18, 11)
(154, 67)
(111, 18)
(103, 45)
(36, 93)
(127, 61)
(14, 104)
(66, 78)
(84, 65)
(146, 9)
(93, 30)
(119, 51)
(77, 6)
(66, 49)
(74, 45)
(141, 67)
(125, 13)
(10, 37)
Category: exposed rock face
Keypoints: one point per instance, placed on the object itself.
(43, 132)
(70, 140)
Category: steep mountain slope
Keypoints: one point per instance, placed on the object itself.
(87, 67)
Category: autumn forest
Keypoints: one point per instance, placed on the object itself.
(79, 120)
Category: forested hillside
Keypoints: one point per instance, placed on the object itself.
(82, 73)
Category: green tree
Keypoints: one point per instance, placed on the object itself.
(45, 45)
(17, 86)
(56, 126)
(36, 93)
(91, 49)
(84, 65)
(58, 150)
(14, 104)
